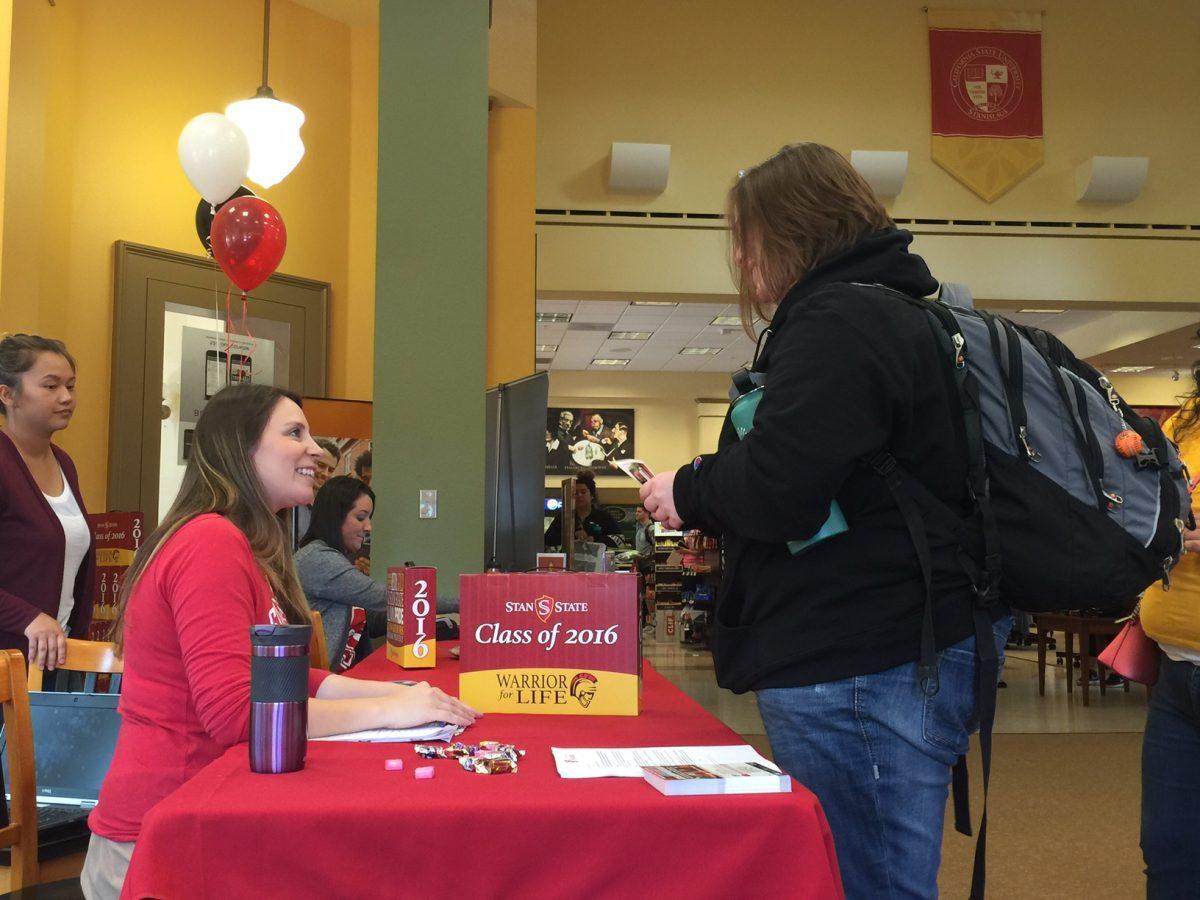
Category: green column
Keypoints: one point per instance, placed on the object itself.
(431, 285)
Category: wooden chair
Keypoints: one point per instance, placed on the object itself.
(21, 834)
(318, 652)
(95, 658)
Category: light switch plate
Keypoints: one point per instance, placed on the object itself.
(428, 505)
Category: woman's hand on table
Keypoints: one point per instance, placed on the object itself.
(410, 705)
(658, 496)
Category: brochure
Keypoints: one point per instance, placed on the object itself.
(717, 778)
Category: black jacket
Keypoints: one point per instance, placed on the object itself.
(850, 370)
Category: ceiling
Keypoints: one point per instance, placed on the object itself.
(673, 328)
(1106, 337)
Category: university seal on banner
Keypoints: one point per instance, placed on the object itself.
(987, 84)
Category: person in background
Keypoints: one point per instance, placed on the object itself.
(327, 464)
(1171, 742)
(324, 469)
(47, 569)
(829, 638)
(643, 542)
(333, 584)
(362, 467)
(217, 565)
(591, 522)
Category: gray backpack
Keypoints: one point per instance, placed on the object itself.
(1078, 501)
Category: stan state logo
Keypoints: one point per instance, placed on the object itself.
(987, 84)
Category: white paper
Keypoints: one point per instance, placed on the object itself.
(627, 762)
(434, 731)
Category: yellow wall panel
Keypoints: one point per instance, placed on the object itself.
(726, 84)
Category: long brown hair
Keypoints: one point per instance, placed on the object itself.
(1188, 416)
(789, 213)
(221, 478)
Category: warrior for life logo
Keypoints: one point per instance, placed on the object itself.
(987, 84)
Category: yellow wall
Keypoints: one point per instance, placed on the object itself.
(726, 84)
(667, 426)
(1152, 390)
(352, 322)
(5, 53)
(511, 292)
(99, 93)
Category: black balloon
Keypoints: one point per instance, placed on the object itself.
(206, 212)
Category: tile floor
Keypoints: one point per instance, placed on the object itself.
(1020, 709)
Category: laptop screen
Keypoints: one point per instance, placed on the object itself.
(74, 736)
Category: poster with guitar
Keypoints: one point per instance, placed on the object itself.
(587, 438)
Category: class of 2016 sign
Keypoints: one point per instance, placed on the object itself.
(550, 643)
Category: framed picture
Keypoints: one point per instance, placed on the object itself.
(587, 438)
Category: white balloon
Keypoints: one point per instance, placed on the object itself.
(215, 155)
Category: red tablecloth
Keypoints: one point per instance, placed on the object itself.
(346, 827)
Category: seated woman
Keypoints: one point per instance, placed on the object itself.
(218, 564)
(333, 584)
(591, 522)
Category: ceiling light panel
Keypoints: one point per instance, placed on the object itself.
(547, 348)
(1130, 370)
(699, 351)
(663, 303)
(630, 335)
(567, 306)
(727, 321)
(552, 318)
(610, 362)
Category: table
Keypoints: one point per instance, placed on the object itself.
(343, 826)
(1086, 627)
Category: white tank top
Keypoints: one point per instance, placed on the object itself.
(79, 539)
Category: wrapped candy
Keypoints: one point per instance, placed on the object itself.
(489, 763)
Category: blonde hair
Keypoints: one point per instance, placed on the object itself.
(221, 478)
(789, 213)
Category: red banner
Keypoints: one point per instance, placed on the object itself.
(986, 96)
(986, 83)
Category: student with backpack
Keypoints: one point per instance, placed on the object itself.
(1171, 744)
(829, 635)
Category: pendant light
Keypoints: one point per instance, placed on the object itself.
(272, 127)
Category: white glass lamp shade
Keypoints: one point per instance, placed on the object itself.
(273, 129)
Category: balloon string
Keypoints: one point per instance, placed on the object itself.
(246, 327)
(228, 335)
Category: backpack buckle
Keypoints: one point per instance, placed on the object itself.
(884, 464)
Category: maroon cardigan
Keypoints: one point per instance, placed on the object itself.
(32, 549)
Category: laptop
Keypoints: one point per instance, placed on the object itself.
(74, 736)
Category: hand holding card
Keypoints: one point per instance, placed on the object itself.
(635, 469)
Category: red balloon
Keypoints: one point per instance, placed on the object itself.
(248, 240)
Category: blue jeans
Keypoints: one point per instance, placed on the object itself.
(877, 753)
(1171, 784)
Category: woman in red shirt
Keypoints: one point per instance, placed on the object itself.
(219, 563)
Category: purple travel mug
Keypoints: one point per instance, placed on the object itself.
(278, 697)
